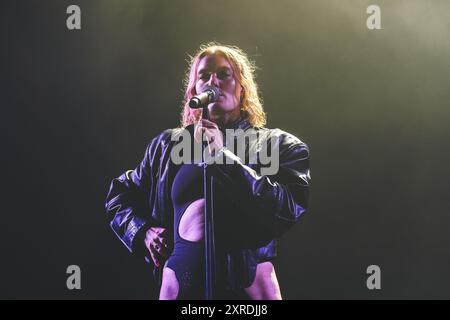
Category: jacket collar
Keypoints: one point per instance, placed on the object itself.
(240, 123)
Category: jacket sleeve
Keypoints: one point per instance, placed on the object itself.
(127, 203)
(274, 202)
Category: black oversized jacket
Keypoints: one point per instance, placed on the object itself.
(140, 198)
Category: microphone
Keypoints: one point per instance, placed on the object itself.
(211, 94)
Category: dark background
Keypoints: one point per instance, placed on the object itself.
(79, 107)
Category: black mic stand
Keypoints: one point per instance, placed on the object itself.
(210, 248)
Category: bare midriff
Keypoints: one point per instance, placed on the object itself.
(191, 225)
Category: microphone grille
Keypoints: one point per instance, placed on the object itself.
(215, 93)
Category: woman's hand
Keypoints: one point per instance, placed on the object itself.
(212, 134)
(159, 242)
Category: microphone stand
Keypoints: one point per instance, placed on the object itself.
(210, 248)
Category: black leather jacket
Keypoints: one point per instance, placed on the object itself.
(140, 198)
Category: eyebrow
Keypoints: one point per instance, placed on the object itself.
(203, 70)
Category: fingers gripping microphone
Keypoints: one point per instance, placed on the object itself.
(211, 94)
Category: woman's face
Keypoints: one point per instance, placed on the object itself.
(216, 71)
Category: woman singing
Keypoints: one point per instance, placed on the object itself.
(157, 209)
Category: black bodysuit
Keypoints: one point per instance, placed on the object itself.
(187, 259)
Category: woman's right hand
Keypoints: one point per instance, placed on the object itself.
(159, 242)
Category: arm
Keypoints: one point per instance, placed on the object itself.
(127, 204)
(275, 202)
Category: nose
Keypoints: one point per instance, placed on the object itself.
(213, 81)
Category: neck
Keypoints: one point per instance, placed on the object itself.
(227, 119)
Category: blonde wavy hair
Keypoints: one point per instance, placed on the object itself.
(244, 73)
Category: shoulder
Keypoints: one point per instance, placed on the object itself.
(164, 138)
(285, 139)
